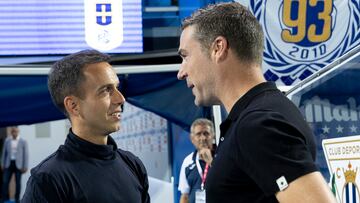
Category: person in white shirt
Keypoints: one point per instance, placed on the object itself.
(195, 166)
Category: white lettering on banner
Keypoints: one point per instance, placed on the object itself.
(344, 150)
(321, 110)
(351, 149)
(333, 151)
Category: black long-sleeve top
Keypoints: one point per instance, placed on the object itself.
(80, 171)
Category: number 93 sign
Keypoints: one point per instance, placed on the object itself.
(302, 36)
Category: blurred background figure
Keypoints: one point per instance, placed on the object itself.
(14, 160)
(195, 166)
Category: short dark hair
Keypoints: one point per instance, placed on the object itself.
(66, 75)
(232, 21)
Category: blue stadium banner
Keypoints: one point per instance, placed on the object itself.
(59, 27)
(303, 36)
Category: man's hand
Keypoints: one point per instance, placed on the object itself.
(205, 154)
(23, 170)
(184, 198)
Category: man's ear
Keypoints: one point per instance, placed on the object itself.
(220, 48)
(71, 104)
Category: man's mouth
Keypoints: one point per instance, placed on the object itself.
(115, 115)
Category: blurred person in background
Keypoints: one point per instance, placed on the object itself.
(195, 166)
(14, 160)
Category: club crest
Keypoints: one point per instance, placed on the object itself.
(103, 24)
(343, 159)
(302, 36)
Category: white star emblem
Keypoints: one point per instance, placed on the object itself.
(339, 129)
(323, 136)
(353, 128)
(326, 129)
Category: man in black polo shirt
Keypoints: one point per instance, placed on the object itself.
(266, 151)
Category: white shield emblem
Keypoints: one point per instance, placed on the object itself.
(343, 159)
(103, 24)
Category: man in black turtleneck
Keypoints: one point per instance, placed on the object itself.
(88, 167)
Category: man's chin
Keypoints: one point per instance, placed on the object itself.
(116, 128)
(202, 103)
(198, 102)
(113, 129)
(206, 146)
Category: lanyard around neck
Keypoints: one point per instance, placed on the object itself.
(202, 175)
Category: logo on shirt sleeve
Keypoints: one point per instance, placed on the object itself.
(282, 183)
(192, 166)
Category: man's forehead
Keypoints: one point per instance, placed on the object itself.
(186, 35)
(99, 75)
(202, 127)
(100, 70)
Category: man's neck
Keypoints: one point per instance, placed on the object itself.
(90, 137)
(238, 80)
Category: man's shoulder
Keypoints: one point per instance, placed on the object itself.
(266, 104)
(54, 163)
(130, 159)
(134, 164)
(189, 156)
(7, 140)
(127, 155)
(270, 101)
(189, 159)
(269, 106)
(22, 140)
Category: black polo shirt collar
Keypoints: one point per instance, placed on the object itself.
(243, 102)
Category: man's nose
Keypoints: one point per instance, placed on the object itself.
(118, 97)
(181, 74)
(202, 136)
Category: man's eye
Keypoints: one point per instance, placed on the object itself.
(183, 56)
(108, 89)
